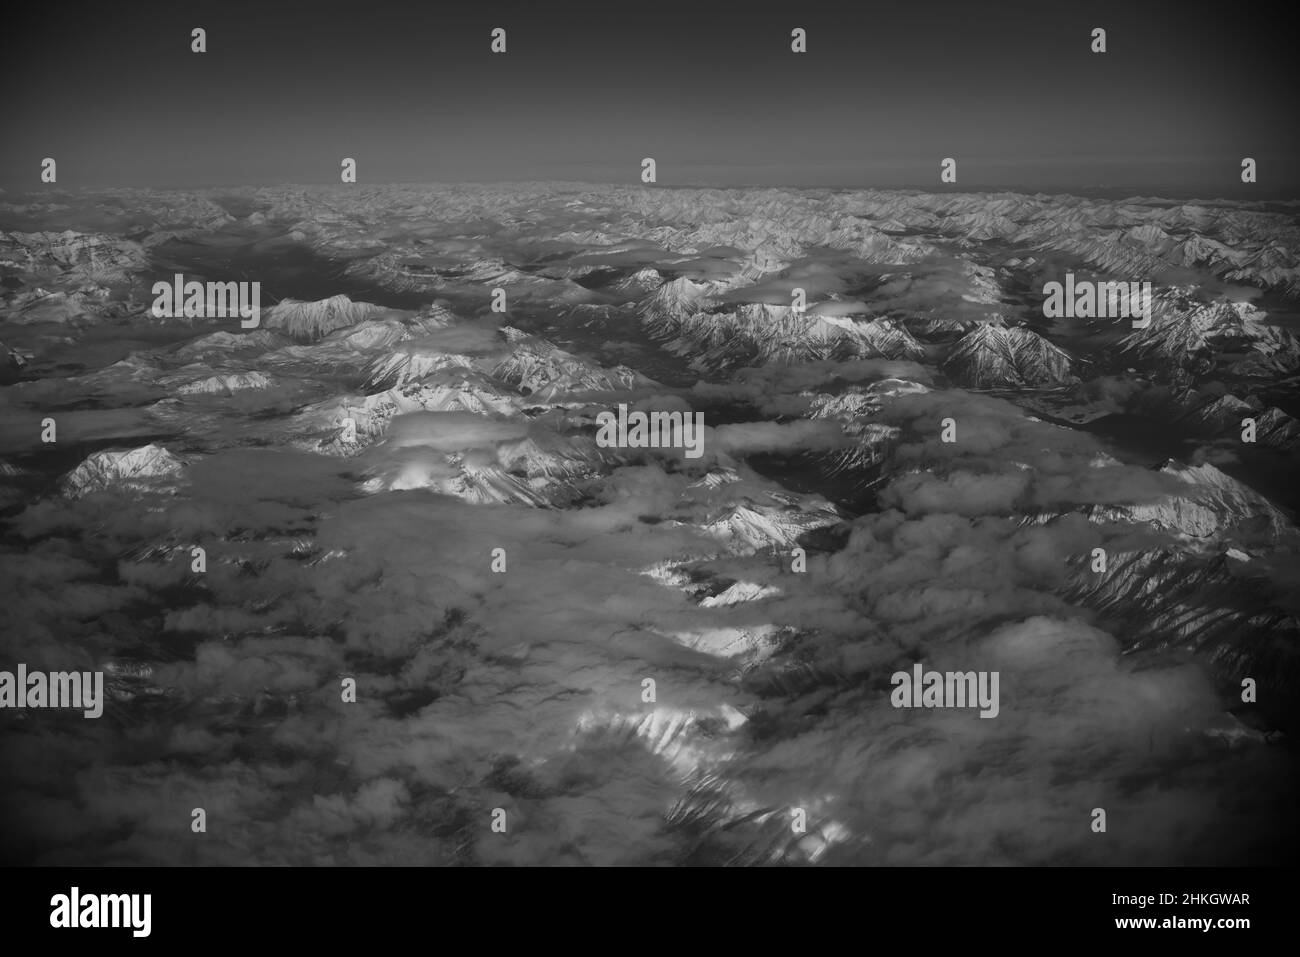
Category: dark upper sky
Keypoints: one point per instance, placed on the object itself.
(709, 89)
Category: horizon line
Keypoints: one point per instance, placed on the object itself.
(1076, 191)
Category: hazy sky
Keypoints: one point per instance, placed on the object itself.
(710, 90)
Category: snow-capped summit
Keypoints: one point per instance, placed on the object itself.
(544, 372)
(311, 320)
(147, 468)
(1213, 504)
(674, 300)
(412, 363)
(749, 526)
(1189, 334)
(226, 383)
(997, 356)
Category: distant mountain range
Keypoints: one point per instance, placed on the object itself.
(904, 460)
